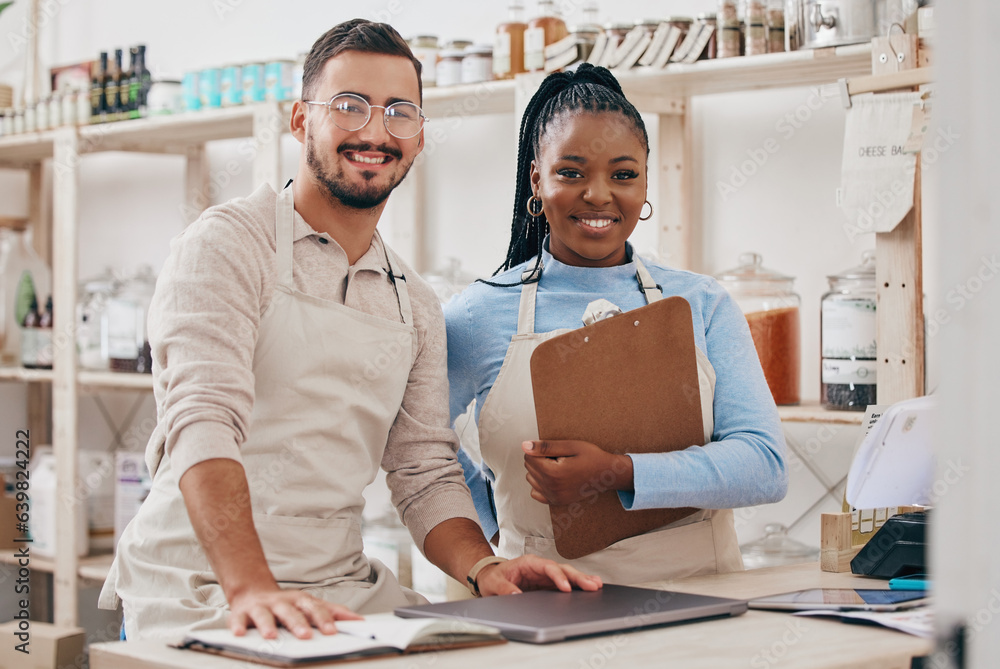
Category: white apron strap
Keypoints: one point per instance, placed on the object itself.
(526, 314)
(649, 288)
(284, 224)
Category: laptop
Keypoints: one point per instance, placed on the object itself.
(545, 616)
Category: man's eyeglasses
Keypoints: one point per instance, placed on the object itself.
(351, 113)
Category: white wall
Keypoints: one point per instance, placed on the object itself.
(131, 204)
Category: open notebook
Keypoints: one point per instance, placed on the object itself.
(381, 634)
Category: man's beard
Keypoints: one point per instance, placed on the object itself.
(355, 196)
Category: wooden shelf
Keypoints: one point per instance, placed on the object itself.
(114, 381)
(25, 375)
(90, 568)
(814, 413)
(85, 380)
(20, 151)
(656, 90)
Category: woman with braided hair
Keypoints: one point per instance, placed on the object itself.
(581, 191)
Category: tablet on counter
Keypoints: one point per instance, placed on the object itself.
(842, 599)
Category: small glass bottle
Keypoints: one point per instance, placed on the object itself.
(55, 110)
(18, 124)
(43, 338)
(29, 335)
(42, 115)
(771, 308)
(508, 44)
(83, 108)
(69, 107)
(848, 338)
(30, 118)
(545, 29)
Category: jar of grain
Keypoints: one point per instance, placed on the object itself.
(848, 338)
(771, 308)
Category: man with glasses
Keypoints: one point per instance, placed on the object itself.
(294, 353)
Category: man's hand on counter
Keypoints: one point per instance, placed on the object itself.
(530, 572)
(267, 609)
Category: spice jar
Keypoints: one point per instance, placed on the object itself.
(772, 311)
(775, 26)
(425, 49)
(729, 14)
(847, 338)
(449, 67)
(756, 39)
(477, 64)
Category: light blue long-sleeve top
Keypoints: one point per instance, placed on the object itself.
(743, 465)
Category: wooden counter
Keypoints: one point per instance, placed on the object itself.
(757, 639)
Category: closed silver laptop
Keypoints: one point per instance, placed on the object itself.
(544, 616)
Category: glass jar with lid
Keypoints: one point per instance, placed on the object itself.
(123, 327)
(94, 294)
(771, 308)
(848, 338)
(775, 26)
(449, 67)
(477, 64)
(425, 49)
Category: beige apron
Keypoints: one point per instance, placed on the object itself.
(316, 440)
(703, 543)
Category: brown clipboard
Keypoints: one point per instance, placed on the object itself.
(628, 383)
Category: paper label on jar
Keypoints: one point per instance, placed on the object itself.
(428, 57)
(849, 328)
(534, 48)
(501, 54)
(856, 372)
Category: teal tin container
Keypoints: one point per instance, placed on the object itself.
(231, 85)
(191, 91)
(211, 88)
(253, 82)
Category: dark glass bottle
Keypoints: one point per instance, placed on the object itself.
(129, 92)
(98, 109)
(29, 336)
(43, 336)
(145, 80)
(112, 99)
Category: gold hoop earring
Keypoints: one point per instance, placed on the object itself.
(650, 214)
(534, 206)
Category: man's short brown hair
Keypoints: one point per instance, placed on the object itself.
(355, 35)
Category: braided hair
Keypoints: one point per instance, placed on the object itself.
(588, 89)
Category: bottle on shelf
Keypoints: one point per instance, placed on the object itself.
(29, 335)
(112, 99)
(508, 45)
(544, 29)
(99, 74)
(23, 276)
(145, 81)
(43, 338)
(130, 92)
